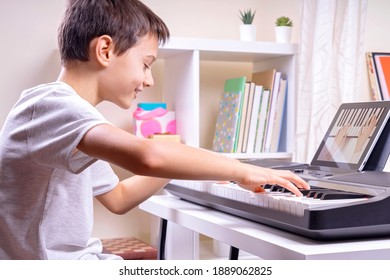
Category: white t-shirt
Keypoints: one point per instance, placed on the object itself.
(46, 185)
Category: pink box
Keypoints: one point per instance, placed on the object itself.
(157, 121)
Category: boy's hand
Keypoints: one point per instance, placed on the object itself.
(263, 176)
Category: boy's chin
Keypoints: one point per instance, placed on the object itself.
(124, 105)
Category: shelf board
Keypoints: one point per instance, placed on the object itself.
(227, 50)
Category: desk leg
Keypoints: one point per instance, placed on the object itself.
(162, 240)
(176, 242)
(233, 254)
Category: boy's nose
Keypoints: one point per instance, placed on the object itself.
(149, 82)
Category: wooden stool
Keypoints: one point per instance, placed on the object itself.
(129, 248)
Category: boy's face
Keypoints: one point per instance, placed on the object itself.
(126, 75)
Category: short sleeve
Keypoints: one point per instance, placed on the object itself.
(59, 120)
(106, 180)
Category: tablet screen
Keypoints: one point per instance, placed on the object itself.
(352, 135)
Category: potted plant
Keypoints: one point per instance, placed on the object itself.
(283, 29)
(247, 28)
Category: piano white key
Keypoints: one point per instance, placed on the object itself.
(311, 203)
(278, 200)
(218, 189)
(240, 196)
(265, 202)
(201, 186)
(254, 199)
(293, 205)
(285, 202)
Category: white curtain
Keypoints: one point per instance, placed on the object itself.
(330, 67)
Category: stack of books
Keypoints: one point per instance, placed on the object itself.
(251, 114)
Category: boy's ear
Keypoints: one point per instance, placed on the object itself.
(104, 49)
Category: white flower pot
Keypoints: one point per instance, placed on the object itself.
(248, 32)
(283, 34)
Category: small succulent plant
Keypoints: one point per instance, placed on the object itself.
(284, 21)
(247, 16)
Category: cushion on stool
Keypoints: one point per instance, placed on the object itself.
(129, 248)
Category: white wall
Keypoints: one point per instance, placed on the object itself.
(29, 56)
(220, 18)
(27, 46)
(377, 37)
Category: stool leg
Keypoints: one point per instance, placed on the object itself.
(233, 254)
(163, 237)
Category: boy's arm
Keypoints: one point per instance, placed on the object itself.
(174, 160)
(130, 192)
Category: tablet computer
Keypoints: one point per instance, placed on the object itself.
(352, 135)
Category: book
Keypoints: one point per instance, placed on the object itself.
(279, 111)
(382, 70)
(264, 78)
(272, 112)
(253, 123)
(227, 123)
(262, 120)
(248, 116)
(242, 120)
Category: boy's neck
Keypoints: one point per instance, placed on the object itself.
(82, 81)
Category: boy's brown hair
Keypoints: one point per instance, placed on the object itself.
(125, 21)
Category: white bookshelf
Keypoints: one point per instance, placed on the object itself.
(182, 65)
(182, 58)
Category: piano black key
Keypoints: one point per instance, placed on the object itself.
(276, 188)
(342, 195)
(304, 192)
(312, 192)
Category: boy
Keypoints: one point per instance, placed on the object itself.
(55, 147)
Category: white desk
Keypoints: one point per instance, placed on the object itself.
(257, 239)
